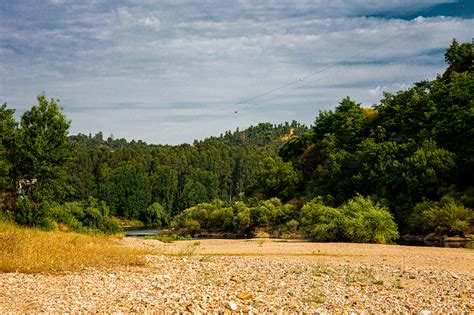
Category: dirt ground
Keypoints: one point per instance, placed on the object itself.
(257, 276)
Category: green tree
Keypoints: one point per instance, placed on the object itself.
(322, 223)
(7, 143)
(43, 150)
(367, 222)
(460, 58)
(154, 215)
(275, 178)
(347, 123)
(164, 183)
(127, 190)
(445, 216)
(199, 186)
(270, 213)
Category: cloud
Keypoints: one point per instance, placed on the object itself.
(131, 68)
(377, 91)
(150, 21)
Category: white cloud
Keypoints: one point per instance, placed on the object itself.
(150, 21)
(179, 65)
(122, 13)
(377, 91)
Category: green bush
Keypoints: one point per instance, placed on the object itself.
(359, 220)
(87, 216)
(29, 213)
(444, 217)
(222, 219)
(271, 212)
(236, 218)
(242, 218)
(366, 222)
(68, 214)
(154, 215)
(193, 219)
(322, 223)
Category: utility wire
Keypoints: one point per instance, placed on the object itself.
(308, 84)
(309, 76)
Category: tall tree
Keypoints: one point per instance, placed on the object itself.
(275, 178)
(7, 142)
(164, 182)
(43, 150)
(127, 190)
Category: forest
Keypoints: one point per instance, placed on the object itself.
(358, 174)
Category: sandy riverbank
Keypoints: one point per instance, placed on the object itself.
(257, 276)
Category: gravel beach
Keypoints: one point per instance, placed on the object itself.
(257, 276)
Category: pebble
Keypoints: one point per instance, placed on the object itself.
(232, 306)
(254, 284)
(245, 296)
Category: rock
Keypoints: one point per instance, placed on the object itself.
(429, 237)
(425, 312)
(456, 238)
(232, 306)
(112, 275)
(245, 296)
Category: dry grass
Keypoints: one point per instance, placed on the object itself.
(29, 250)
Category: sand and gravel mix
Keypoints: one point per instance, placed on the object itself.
(257, 276)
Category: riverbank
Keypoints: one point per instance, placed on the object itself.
(257, 275)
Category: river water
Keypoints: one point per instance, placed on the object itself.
(462, 244)
(144, 231)
(141, 232)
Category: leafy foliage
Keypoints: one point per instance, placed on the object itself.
(359, 220)
(236, 218)
(322, 223)
(275, 178)
(126, 190)
(407, 152)
(444, 217)
(42, 149)
(32, 214)
(7, 144)
(154, 215)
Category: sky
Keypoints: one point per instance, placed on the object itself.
(171, 71)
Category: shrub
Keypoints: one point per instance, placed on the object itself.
(222, 219)
(366, 222)
(87, 216)
(29, 213)
(359, 220)
(321, 223)
(236, 218)
(271, 212)
(195, 218)
(154, 215)
(442, 217)
(242, 218)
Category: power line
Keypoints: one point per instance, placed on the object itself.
(301, 79)
(307, 85)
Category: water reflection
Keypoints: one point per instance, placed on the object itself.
(454, 244)
(141, 232)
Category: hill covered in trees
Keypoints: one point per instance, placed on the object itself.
(358, 174)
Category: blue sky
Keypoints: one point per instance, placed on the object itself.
(174, 71)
